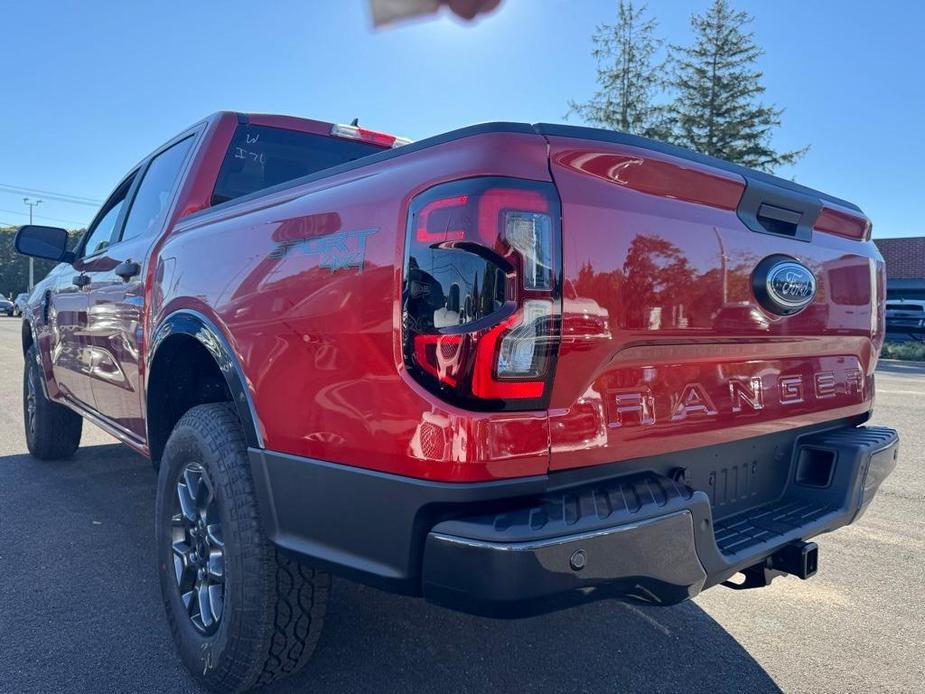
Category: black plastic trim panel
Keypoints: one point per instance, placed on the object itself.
(767, 523)
(653, 560)
(198, 326)
(634, 529)
(590, 508)
(365, 524)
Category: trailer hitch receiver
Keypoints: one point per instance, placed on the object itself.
(797, 559)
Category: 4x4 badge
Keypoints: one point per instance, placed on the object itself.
(344, 249)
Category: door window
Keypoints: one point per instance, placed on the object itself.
(101, 233)
(156, 190)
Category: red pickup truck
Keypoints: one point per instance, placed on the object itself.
(508, 368)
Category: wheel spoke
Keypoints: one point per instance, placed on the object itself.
(216, 600)
(216, 566)
(205, 604)
(182, 564)
(187, 503)
(204, 495)
(214, 535)
(192, 479)
(30, 402)
(179, 567)
(188, 601)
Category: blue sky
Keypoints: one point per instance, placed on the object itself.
(88, 88)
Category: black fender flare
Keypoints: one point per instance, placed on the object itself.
(196, 325)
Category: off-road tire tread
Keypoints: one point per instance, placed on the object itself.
(57, 428)
(282, 618)
(302, 597)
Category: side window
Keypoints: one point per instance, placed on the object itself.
(100, 235)
(156, 189)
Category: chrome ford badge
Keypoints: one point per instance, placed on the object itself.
(783, 286)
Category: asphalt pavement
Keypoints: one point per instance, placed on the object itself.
(80, 607)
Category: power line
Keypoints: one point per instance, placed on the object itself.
(52, 197)
(36, 191)
(43, 216)
(60, 197)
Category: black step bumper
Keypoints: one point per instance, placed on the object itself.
(529, 545)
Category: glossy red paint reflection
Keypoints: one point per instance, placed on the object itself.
(320, 348)
(663, 344)
(656, 174)
(662, 335)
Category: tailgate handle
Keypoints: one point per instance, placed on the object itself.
(770, 209)
(778, 220)
(779, 214)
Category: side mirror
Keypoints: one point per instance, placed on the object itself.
(43, 242)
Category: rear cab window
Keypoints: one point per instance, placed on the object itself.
(262, 156)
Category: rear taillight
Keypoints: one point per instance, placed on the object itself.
(481, 298)
(843, 223)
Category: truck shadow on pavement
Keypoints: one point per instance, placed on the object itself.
(83, 612)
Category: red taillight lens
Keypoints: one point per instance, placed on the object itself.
(481, 299)
(843, 223)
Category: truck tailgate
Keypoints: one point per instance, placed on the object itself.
(665, 346)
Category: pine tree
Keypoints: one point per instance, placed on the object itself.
(716, 110)
(627, 75)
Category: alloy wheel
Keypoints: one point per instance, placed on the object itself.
(30, 402)
(198, 548)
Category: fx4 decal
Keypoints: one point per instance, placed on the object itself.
(341, 250)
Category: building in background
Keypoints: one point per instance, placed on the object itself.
(905, 266)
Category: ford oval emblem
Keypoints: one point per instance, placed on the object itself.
(783, 286)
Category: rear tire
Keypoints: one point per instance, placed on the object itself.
(262, 613)
(52, 430)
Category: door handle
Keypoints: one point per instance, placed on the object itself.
(127, 269)
(81, 280)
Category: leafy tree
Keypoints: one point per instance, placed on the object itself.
(627, 74)
(716, 110)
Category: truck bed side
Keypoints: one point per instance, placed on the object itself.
(305, 282)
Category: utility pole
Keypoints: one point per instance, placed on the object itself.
(31, 204)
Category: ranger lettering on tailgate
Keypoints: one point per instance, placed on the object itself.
(641, 407)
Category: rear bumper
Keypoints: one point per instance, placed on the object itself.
(657, 532)
(654, 559)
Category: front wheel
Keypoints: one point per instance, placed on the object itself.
(52, 430)
(241, 612)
